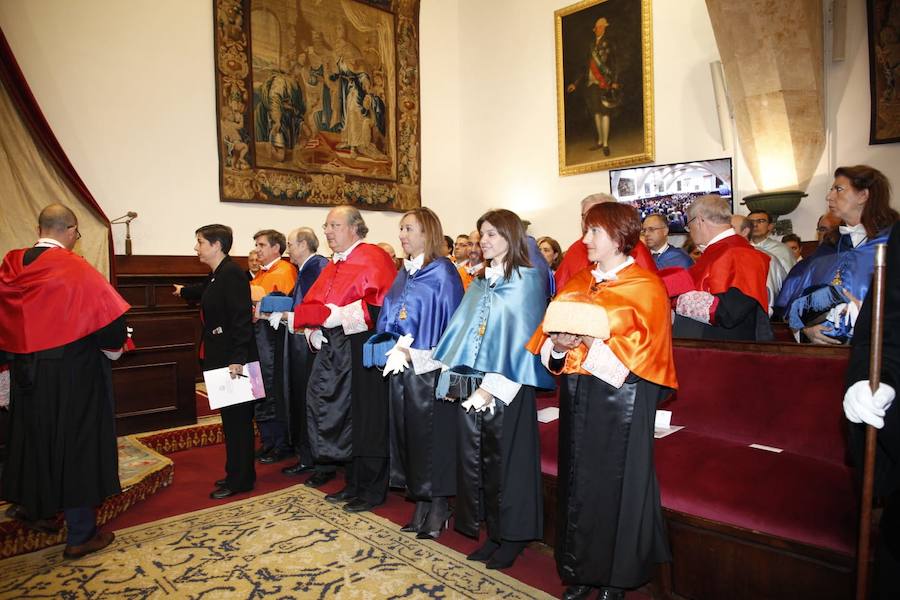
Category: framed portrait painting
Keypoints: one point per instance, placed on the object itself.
(604, 81)
(884, 70)
(318, 102)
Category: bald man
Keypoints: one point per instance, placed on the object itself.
(62, 441)
(576, 257)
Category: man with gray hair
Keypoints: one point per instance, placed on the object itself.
(576, 257)
(302, 245)
(346, 403)
(723, 296)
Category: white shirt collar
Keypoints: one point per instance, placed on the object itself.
(473, 270)
(725, 234)
(492, 273)
(305, 260)
(415, 264)
(661, 250)
(339, 256)
(49, 243)
(270, 265)
(856, 232)
(612, 274)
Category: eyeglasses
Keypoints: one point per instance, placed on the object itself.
(823, 229)
(77, 233)
(332, 226)
(646, 230)
(758, 221)
(688, 224)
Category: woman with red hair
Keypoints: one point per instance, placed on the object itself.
(608, 334)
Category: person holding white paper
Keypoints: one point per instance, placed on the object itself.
(608, 334)
(227, 341)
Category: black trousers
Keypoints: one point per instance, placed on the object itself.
(237, 424)
(367, 478)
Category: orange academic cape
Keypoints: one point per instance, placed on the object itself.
(576, 259)
(640, 323)
(280, 278)
(729, 263)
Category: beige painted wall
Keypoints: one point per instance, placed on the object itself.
(128, 88)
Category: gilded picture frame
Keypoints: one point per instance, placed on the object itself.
(317, 103)
(604, 85)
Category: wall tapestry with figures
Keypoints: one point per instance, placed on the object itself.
(318, 102)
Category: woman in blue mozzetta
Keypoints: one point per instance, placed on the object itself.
(821, 296)
(415, 313)
(494, 377)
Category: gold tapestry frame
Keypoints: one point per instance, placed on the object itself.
(318, 104)
(584, 103)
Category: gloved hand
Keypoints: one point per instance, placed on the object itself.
(862, 406)
(480, 400)
(274, 320)
(396, 357)
(315, 338)
(334, 318)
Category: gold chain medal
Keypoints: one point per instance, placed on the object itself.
(403, 314)
(481, 328)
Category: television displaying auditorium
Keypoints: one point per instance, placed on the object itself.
(669, 189)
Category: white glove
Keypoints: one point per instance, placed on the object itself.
(862, 406)
(315, 338)
(274, 320)
(396, 357)
(288, 319)
(334, 319)
(480, 400)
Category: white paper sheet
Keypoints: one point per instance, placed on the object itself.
(225, 391)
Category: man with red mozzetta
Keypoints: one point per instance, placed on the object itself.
(576, 257)
(61, 324)
(723, 296)
(346, 403)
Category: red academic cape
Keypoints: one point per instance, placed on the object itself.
(58, 283)
(640, 323)
(366, 275)
(576, 259)
(729, 263)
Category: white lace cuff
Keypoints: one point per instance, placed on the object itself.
(422, 361)
(353, 318)
(604, 365)
(4, 388)
(500, 387)
(695, 305)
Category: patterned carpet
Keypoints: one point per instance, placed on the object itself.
(287, 544)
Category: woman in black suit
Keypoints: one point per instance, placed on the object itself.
(227, 341)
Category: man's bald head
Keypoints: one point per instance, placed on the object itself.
(741, 225)
(58, 222)
(590, 201)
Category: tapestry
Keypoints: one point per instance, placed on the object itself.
(884, 70)
(317, 102)
(286, 544)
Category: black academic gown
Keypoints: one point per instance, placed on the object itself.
(62, 440)
(738, 318)
(610, 530)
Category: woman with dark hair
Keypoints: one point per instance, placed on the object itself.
(415, 312)
(227, 341)
(820, 298)
(494, 377)
(552, 252)
(609, 334)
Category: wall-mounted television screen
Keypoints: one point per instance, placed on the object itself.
(669, 189)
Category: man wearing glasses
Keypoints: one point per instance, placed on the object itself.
(62, 324)
(723, 296)
(761, 240)
(655, 232)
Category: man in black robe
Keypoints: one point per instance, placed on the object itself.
(62, 323)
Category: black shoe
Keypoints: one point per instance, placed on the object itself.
(596, 147)
(262, 451)
(223, 492)
(274, 456)
(605, 150)
(611, 593)
(485, 552)
(506, 555)
(438, 519)
(297, 469)
(577, 592)
(221, 483)
(359, 505)
(319, 478)
(341, 496)
(418, 518)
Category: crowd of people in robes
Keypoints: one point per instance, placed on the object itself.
(423, 377)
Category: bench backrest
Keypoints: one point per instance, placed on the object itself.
(780, 395)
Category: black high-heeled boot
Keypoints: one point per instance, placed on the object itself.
(485, 552)
(506, 554)
(437, 520)
(418, 518)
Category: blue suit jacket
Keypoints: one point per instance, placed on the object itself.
(673, 257)
(307, 276)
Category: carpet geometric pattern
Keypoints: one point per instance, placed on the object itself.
(286, 544)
